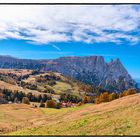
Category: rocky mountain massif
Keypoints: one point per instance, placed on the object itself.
(92, 70)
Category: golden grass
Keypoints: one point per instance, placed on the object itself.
(119, 117)
(17, 116)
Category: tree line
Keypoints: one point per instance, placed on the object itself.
(17, 96)
(47, 101)
(107, 97)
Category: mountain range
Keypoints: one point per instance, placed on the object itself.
(91, 70)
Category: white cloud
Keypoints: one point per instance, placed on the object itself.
(56, 47)
(93, 23)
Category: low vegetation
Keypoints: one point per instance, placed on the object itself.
(53, 104)
(107, 97)
(119, 117)
(25, 100)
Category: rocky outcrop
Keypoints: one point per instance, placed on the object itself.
(94, 70)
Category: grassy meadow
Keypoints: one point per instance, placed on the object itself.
(119, 117)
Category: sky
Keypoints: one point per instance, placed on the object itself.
(48, 31)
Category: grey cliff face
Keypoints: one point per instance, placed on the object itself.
(94, 70)
(91, 70)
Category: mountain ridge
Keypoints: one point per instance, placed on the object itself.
(90, 69)
(94, 70)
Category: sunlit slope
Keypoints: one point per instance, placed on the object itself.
(17, 116)
(119, 117)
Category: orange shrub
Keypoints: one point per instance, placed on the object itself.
(51, 104)
(25, 100)
(86, 99)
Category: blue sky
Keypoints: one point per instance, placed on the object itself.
(42, 32)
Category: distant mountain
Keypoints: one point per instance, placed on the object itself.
(91, 70)
(15, 63)
(138, 82)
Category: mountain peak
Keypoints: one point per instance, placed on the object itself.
(117, 61)
(91, 70)
(94, 70)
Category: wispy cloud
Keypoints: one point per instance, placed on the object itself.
(89, 24)
(56, 47)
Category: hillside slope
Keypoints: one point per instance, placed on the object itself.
(51, 80)
(17, 116)
(39, 86)
(119, 117)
